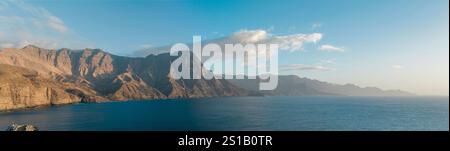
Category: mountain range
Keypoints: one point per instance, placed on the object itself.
(33, 76)
(292, 85)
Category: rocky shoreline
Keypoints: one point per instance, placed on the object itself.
(18, 127)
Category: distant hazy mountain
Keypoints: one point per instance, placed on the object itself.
(291, 85)
(33, 76)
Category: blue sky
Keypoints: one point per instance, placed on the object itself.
(392, 44)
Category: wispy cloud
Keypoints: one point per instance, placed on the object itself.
(331, 48)
(57, 24)
(303, 67)
(24, 24)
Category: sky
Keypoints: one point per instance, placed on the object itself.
(391, 44)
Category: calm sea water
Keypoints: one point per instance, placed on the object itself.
(245, 113)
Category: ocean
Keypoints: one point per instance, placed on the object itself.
(242, 114)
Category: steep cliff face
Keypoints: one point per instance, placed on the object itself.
(34, 76)
(21, 87)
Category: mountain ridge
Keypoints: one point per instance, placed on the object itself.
(33, 76)
(105, 76)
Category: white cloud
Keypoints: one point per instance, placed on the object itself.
(331, 48)
(397, 66)
(300, 67)
(286, 42)
(250, 36)
(23, 23)
(292, 42)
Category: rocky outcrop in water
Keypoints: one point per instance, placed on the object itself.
(16, 127)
